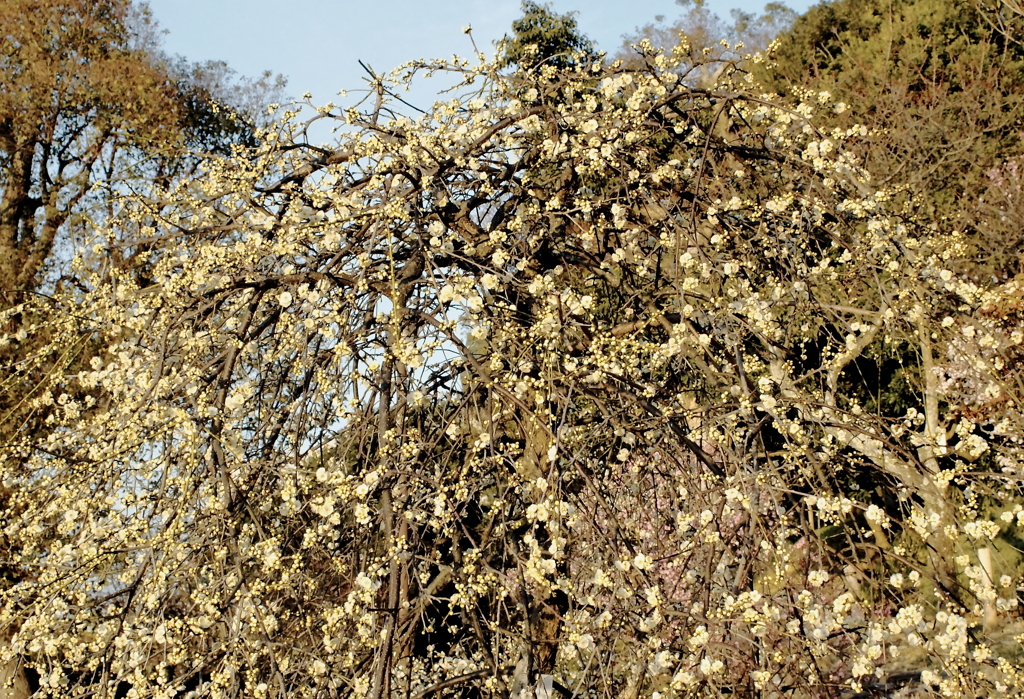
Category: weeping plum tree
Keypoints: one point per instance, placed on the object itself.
(561, 387)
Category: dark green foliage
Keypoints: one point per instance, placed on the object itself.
(878, 40)
(940, 83)
(540, 36)
(884, 380)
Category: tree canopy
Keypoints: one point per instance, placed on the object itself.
(938, 83)
(702, 35)
(86, 97)
(540, 36)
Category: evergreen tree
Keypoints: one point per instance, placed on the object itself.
(542, 37)
(939, 84)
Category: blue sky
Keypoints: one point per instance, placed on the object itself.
(317, 44)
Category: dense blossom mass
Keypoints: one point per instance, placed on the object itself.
(557, 388)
